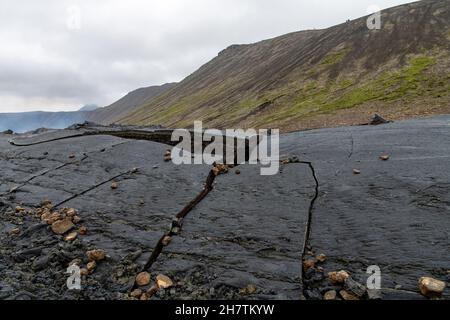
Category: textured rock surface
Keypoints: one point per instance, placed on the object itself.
(248, 232)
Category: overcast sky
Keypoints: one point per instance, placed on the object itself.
(60, 55)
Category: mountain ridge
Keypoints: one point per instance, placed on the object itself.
(313, 78)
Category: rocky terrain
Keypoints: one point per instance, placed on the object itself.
(319, 78)
(346, 199)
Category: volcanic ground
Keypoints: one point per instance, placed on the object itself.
(234, 236)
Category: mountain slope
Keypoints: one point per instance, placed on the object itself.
(319, 77)
(127, 104)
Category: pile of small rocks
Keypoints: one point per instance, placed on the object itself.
(147, 291)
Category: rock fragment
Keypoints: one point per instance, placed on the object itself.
(62, 226)
(309, 264)
(377, 120)
(248, 290)
(91, 266)
(356, 171)
(330, 295)
(431, 288)
(114, 185)
(321, 258)
(82, 231)
(137, 293)
(338, 277)
(71, 236)
(347, 296)
(163, 281)
(143, 279)
(15, 232)
(385, 157)
(96, 255)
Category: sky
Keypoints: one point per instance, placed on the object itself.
(58, 55)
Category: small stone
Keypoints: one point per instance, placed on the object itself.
(55, 216)
(91, 266)
(347, 296)
(431, 288)
(250, 289)
(114, 185)
(163, 281)
(70, 212)
(144, 297)
(338, 277)
(166, 240)
(216, 171)
(309, 264)
(137, 293)
(72, 156)
(143, 279)
(96, 255)
(141, 202)
(19, 209)
(62, 226)
(15, 232)
(84, 272)
(238, 172)
(168, 153)
(167, 158)
(152, 291)
(321, 257)
(71, 237)
(384, 157)
(356, 171)
(330, 295)
(82, 231)
(76, 219)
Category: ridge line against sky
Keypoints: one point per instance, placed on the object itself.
(59, 55)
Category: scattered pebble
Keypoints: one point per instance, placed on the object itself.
(309, 264)
(83, 230)
(321, 257)
(143, 279)
(76, 219)
(384, 157)
(431, 288)
(330, 295)
(91, 266)
(72, 156)
(163, 281)
(356, 171)
(238, 172)
(19, 209)
(347, 295)
(114, 185)
(96, 255)
(71, 237)
(338, 277)
(248, 290)
(136, 293)
(15, 232)
(62, 226)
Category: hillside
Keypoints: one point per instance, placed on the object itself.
(317, 78)
(127, 104)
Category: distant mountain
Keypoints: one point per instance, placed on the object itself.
(27, 121)
(89, 107)
(128, 104)
(317, 78)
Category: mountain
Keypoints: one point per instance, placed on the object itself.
(89, 107)
(316, 78)
(27, 121)
(128, 104)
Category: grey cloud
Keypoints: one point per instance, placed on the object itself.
(123, 45)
